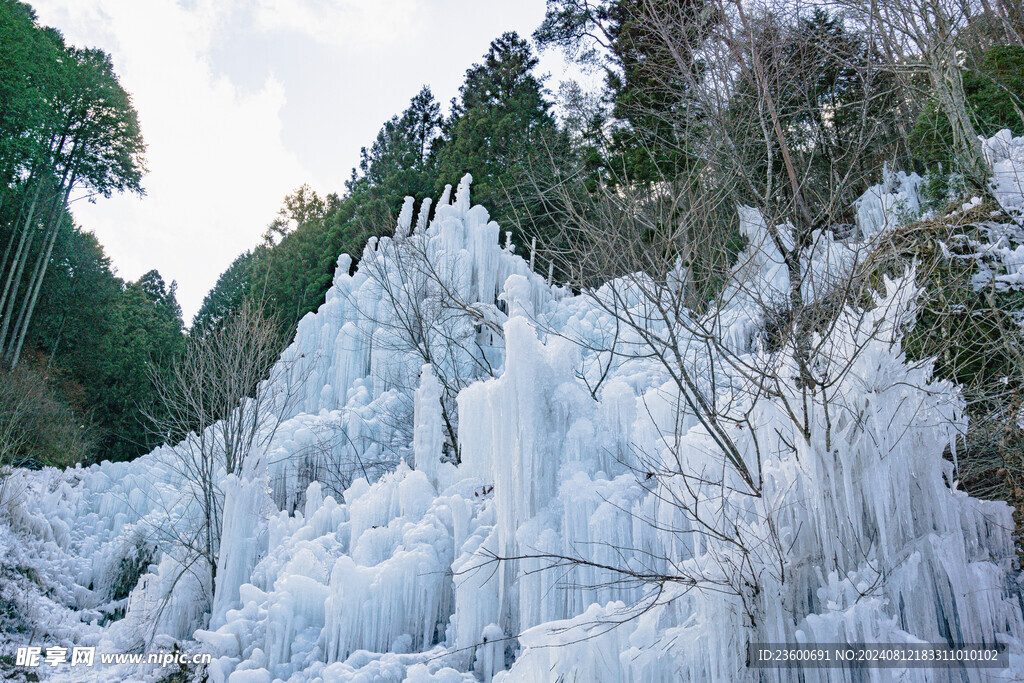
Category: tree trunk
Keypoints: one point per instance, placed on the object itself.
(13, 282)
(13, 349)
(949, 89)
(56, 342)
(10, 245)
(21, 244)
(1013, 16)
(20, 337)
(885, 41)
(764, 92)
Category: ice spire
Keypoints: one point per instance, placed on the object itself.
(462, 194)
(424, 216)
(404, 219)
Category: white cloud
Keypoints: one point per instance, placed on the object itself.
(358, 23)
(218, 167)
(242, 101)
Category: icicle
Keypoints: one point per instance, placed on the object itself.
(678, 277)
(490, 657)
(421, 220)
(404, 219)
(462, 194)
(427, 437)
(445, 199)
(533, 254)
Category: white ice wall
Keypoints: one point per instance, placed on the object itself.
(858, 532)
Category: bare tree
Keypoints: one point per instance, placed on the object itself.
(426, 312)
(19, 403)
(16, 407)
(335, 458)
(37, 428)
(759, 122)
(769, 132)
(221, 407)
(930, 37)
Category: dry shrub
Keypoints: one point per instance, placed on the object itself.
(38, 427)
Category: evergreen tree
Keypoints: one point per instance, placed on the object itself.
(396, 161)
(87, 137)
(150, 338)
(396, 165)
(502, 131)
(292, 270)
(289, 277)
(78, 310)
(646, 84)
(29, 68)
(226, 297)
(829, 100)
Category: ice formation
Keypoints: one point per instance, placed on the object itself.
(1005, 154)
(889, 203)
(583, 522)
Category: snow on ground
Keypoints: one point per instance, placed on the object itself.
(352, 548)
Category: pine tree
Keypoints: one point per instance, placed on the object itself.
(646, 84)
(231, 290)
(150, 338)
(502, 131)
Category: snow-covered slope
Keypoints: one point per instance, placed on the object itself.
(594, 530)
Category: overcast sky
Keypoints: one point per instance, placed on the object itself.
(242, 101)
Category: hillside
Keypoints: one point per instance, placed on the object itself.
(463, 471)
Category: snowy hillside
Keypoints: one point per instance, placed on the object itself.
(597, 527)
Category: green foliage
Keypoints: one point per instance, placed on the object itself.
(503, 132)
(290, 277)
(106, 150)
(92, 338)
(395, 164)
(646, 84)
(95, 337)
(227, 295)
(78, 312)
(971, 333)
(148, 337)
(996, 90)
(62, 110)
(649, 90)
(939, 189)
(65, 124)
(27, 72)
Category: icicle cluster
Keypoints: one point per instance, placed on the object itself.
(356, 548)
